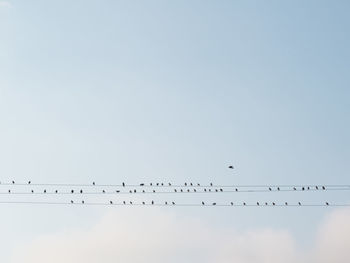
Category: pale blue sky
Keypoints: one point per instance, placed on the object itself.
(135, 91)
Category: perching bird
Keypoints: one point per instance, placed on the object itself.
(29, 182)
(324, 188)
(270, 189)
(231, 167)
(72, 191)
(82, 202)
(327, 203)
(32, 191)
(214, 203)
(124, 202)
(56, 191)
(13, 182)
(71, 201)
(93, 183)
(123, 184)
(143, 203)
(81, 191)
(173, 203)
(152, 202)
(175, 190)
(211, 184)
(142, 184)
(202, 203)
(231, 203)
(257, 203)
(299, 203)
(103, 191)
(45, 191)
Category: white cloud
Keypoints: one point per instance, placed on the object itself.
(153, 236)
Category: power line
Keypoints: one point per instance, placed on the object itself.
(211, 204)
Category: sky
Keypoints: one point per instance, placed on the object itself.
(175, 91)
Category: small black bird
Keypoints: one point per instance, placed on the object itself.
(214, 203)
(327, 203)
(111, 202)
(124, 202)
(71, 201)
(123, 184)
(211, 184)
(273, 204)
(93, 183)
(13, 182)
(202, 203)
(45, 191)
(231, 167)
(83, 202)
(152, 202)
(175, 190)
(143, 203)
(323, 188)
(173, 203)
(72, 191)
(142, 184)
(231, 203)
(244, 203)
(257, 203)
(299, 203)
(29, 182)
(56, 191)
(32, 191)
(81, 191)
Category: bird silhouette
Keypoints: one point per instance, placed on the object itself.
(124, 202)
(270, 189)
(152, 202)
(173, 203)
(175, 190)
(32, 191)
(202, 203)
(123, 184)
(231, 167)
(273, 203)
(45, 191)
(81, 191)
(56, 191)
(82, 202)
(143, 203)
(323, 188)
(29, 182)
(72, 191)
(257, 203)
(103, 191)
(71, 201)
(211, 184)
(327, 203)
(93, 183)
(299, 203)
(231, 203)
(13, 182)
(142, 184)
(111, 202)
(214, 203)
(9, 191)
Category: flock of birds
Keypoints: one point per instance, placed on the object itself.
(158, 189)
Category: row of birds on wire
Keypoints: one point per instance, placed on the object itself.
(123, 184)
(211, 189)
(177, 190)
(173, 203)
